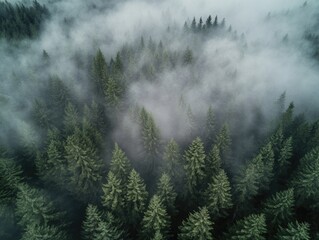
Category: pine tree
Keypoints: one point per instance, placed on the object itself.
(113, 193)
(209, 22)
(306, 180)
(267, 158)
(193, 25)
(90, 224)
(215, 24)
(294, 230)
(195, 164)
(83, 165)
(200, 24)
(166, 192)
(150, 136)
(10, 178)
(34, 207)
(252, 227)
(197, 226)
(99, 70)
(284, 155)
(108, 231)
(155, 219)
(219, 195)
(172, 159)
(213, 164)
(136, 195)
(120, 164)
(113, 91)
(71, 119)
(223, 140)
(279, 208)
(247, 182)
(43, 232)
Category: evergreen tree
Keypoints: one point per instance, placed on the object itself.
(71, 119)
(91, 222)
(279, 208)
(200, 24)
(10, 178)
(83, 165)
(213, 164)
(215, 24)
(108, 231)
(285, 155)
(209, 22)
(155, 219)
(193, 25)
(43, 232)
(296, 231)
(195, 165)
(197, 226)
(34, 207)
(223, 140)
(306, 179)
(267, 158)
(113, 91)
(113, 197)
(136, 195)
(166, 192)
(252, 227)
(120, 164)
(99, 70)
(219, 195)
(172, 159)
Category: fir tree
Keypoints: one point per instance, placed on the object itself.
(223, 140)
(210, 126)
(251, 227)
(172, 159)
(195, 164)
(219, 195)
(209, 22)
(113, 193)
(155, 219)
(71, 119)
(197, 226)
(91, 221)
(120, 164)
(284, 155)
(294, 230)
(166, 192)
(43, 232)
(188, 56)
(279, 208)
(99, 69)
(213, 164)
(136, 195)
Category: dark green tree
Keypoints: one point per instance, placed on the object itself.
(43, 232)
(155, 219)
(166, 192)
(113, 193)
(279, 209)
(71, 119)
(172, 159)
(252, 227)
(213, 163)
(188, 56)
(219, 198)
(294, 230)
(210, 126)
(195, 165)
(198, 226)
(120, 164)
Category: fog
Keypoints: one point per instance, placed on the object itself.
(233, 76)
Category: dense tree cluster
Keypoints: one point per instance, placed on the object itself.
(77, 183)
(18, 21)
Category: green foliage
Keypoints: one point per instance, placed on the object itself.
(252, 227)
(295, 230)
(214, 163)
(306, 179)
(166, 192)
(285, 155)
(120, 164)
(223, 140)
(136, 194)
(113, 193)
(99, 70)
(10, 179)
(43, 232)
(219, 196)
(71, 119)
(90, 224)
(34, 207)
(83, 164)
(172, 159)
(19, 21)
(210, 125)
(197, 226)
(279, 208)
(195, 164)
(188, 56)
(155, 219)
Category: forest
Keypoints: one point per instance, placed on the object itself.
(173, 133)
